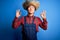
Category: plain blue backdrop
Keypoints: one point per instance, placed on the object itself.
(7, 13)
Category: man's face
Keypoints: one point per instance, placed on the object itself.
(31, 9)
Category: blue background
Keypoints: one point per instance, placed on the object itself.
(7, 13)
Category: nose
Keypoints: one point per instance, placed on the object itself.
(30, 8)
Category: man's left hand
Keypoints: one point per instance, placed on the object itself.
(43, 14)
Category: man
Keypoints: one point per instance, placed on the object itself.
(30, 23)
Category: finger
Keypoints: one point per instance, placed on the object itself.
(41, 15)
(19, 11)
(44, 11)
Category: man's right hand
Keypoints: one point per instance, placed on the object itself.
(18, 14)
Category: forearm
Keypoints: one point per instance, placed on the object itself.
(16, 23)
(43, 24)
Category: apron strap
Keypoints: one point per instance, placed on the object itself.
(33, 20)
(24, 19)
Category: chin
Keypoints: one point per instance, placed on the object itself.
(31, 12)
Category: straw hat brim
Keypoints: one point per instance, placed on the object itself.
(26, 4)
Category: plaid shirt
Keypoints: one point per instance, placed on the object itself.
(17, 22)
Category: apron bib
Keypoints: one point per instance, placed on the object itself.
(29, 32)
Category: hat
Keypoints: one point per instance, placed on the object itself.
(27, 3)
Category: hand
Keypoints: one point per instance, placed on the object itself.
(18, 13)
(43, 14)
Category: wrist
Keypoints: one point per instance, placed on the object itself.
(44, 18)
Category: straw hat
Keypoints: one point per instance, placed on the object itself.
(27, 3)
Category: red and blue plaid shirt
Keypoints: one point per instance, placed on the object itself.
(17, 22)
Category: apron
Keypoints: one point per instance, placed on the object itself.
(29, 32)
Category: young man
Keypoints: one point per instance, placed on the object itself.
(30, 23)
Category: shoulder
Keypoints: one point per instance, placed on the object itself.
(22, 17)
(37, 18)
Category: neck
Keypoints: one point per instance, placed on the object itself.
(30, 14)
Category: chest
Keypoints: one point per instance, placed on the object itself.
(31, 20)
